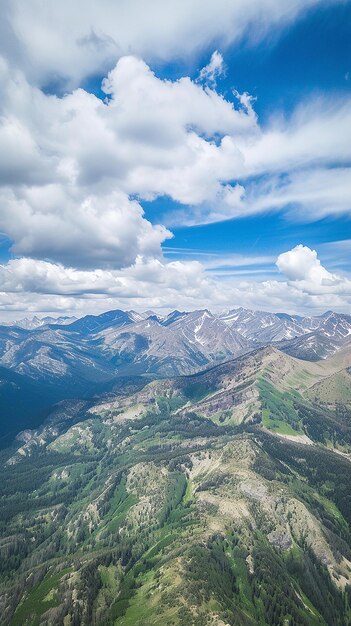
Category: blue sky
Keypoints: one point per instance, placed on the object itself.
(312, 56)
(188, 155)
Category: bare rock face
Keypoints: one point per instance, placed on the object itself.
(25, 435)
(280, 540)
(310, 338)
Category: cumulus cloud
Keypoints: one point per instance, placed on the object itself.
(27, 283)
(85, 230)
(303, 268)
(301, 163)
(81, 159)
(35, 34)
(69, 166)
(302, 263)
(43, 277)
(36, 285)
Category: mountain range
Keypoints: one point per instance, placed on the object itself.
(58, 359)
(180, 342)
(172, 501)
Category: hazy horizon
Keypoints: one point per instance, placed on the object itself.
(161, 312)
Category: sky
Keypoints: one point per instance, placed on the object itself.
(188, 154)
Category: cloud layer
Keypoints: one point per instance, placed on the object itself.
(75, 168)
(72, 167)
(306, 285)
(66, 41)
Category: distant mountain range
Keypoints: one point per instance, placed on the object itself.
(95, 348)
(66, 358)
(36, 322)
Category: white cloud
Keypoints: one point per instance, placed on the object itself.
(43, 277)
(65, 41)
(310, 174)
(305, 271)
(310, 194)
(85, 230)
(75, 160)
(74, 169)
(211, 72)
(27, 283)
(315, 134)
(34, 285)
(302, 263)
(68, 164)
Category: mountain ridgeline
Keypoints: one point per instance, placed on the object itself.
(68, 358)
(189, 471)
(96, 348)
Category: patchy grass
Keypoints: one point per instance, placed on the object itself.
(278, 411)
(335, 389)
(188, 492)
(41, 598)
(144, 607)
(277, 426)
(120, 504)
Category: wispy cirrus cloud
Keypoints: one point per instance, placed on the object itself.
(36, 36)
